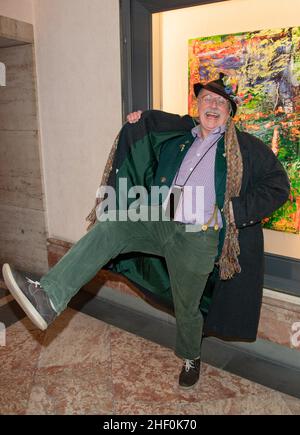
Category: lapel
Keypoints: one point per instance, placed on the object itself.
(171, 158)
(183, 146)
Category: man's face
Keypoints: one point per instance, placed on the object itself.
(213, 110)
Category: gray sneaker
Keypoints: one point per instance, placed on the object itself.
(30, 296)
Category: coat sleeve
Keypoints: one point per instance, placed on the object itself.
(269, 188)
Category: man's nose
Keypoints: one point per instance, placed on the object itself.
(214, 103)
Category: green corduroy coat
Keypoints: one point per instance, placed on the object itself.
(149, 153)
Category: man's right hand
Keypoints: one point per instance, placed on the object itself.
(134, 117)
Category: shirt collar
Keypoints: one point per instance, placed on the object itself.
(218, 130)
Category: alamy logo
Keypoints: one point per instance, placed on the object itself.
(138, 204)
(2, 74)
(295, 336)
(2, 334)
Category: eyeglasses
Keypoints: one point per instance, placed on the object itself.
(209, 99)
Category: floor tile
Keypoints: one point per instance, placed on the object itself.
(15, 388)
(148, 373)
(75, 338)
(23, 346)
(262, 404)
(82, 365)
(72, 391)
(292, 403)
(125, 408)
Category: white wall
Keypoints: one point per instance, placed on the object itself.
(216, 19)
(79, 89)
(18, 9)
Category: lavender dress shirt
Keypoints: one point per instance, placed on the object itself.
(198, 198)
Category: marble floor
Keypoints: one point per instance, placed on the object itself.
(82, 365)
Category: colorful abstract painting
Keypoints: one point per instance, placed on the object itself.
(266, 66)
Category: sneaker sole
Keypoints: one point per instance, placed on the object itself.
(188, 388)
(22, 300)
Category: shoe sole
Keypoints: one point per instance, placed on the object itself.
(188, 388)
(22, 300)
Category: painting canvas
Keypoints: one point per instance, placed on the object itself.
(265, 65)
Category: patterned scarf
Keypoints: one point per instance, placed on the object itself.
(228, 262)
(92, 217)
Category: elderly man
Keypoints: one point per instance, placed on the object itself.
(181, 254)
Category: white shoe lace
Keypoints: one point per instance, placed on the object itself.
(36, 283)
(189, 364)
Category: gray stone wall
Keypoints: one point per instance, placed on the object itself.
(22, 214)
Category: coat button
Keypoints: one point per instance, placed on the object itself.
(163, 179)
(251, 222)
(244, 225)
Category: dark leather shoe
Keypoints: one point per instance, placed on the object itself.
(30, 296)
(190, 373)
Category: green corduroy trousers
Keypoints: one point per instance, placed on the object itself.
(189, 253)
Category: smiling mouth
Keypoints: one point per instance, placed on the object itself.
(212, 115)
